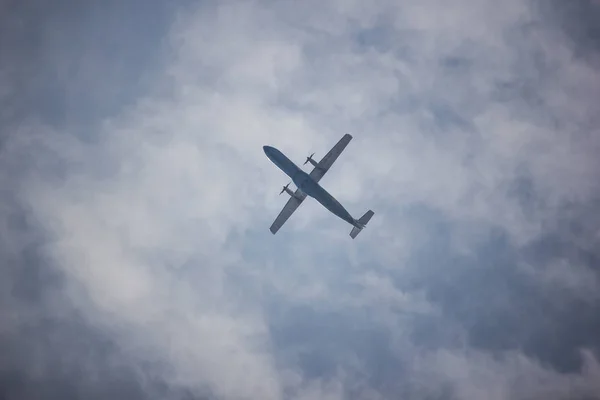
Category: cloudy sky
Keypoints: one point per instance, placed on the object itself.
(135, 200)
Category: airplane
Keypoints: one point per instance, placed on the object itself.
(308, 184)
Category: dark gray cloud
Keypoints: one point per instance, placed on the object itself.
(136, 259)
(54, 58)
(578, 21)
(54, 53)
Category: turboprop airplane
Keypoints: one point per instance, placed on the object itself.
(308, 184)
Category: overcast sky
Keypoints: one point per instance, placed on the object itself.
(135, 200)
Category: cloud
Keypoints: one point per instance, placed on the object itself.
(146, 202)
(469, 375)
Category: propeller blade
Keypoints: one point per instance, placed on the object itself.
(308, 158)
(285, 187)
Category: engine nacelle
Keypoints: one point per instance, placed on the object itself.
(288, 191)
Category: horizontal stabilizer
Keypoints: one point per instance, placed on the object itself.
(361, 223)
(366, 218)
(355, 231)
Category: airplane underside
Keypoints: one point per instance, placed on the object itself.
(307, 185)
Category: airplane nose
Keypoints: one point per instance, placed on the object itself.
(267, 149)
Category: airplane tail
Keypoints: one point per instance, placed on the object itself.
(361, 223)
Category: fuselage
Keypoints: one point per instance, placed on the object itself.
(307, 184)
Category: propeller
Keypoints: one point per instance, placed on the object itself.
(308, 158)
(285, 187)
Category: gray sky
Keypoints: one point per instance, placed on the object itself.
(136, 200)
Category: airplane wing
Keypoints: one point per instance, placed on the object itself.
(317, 173)
(326, 162)
(289, 208)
